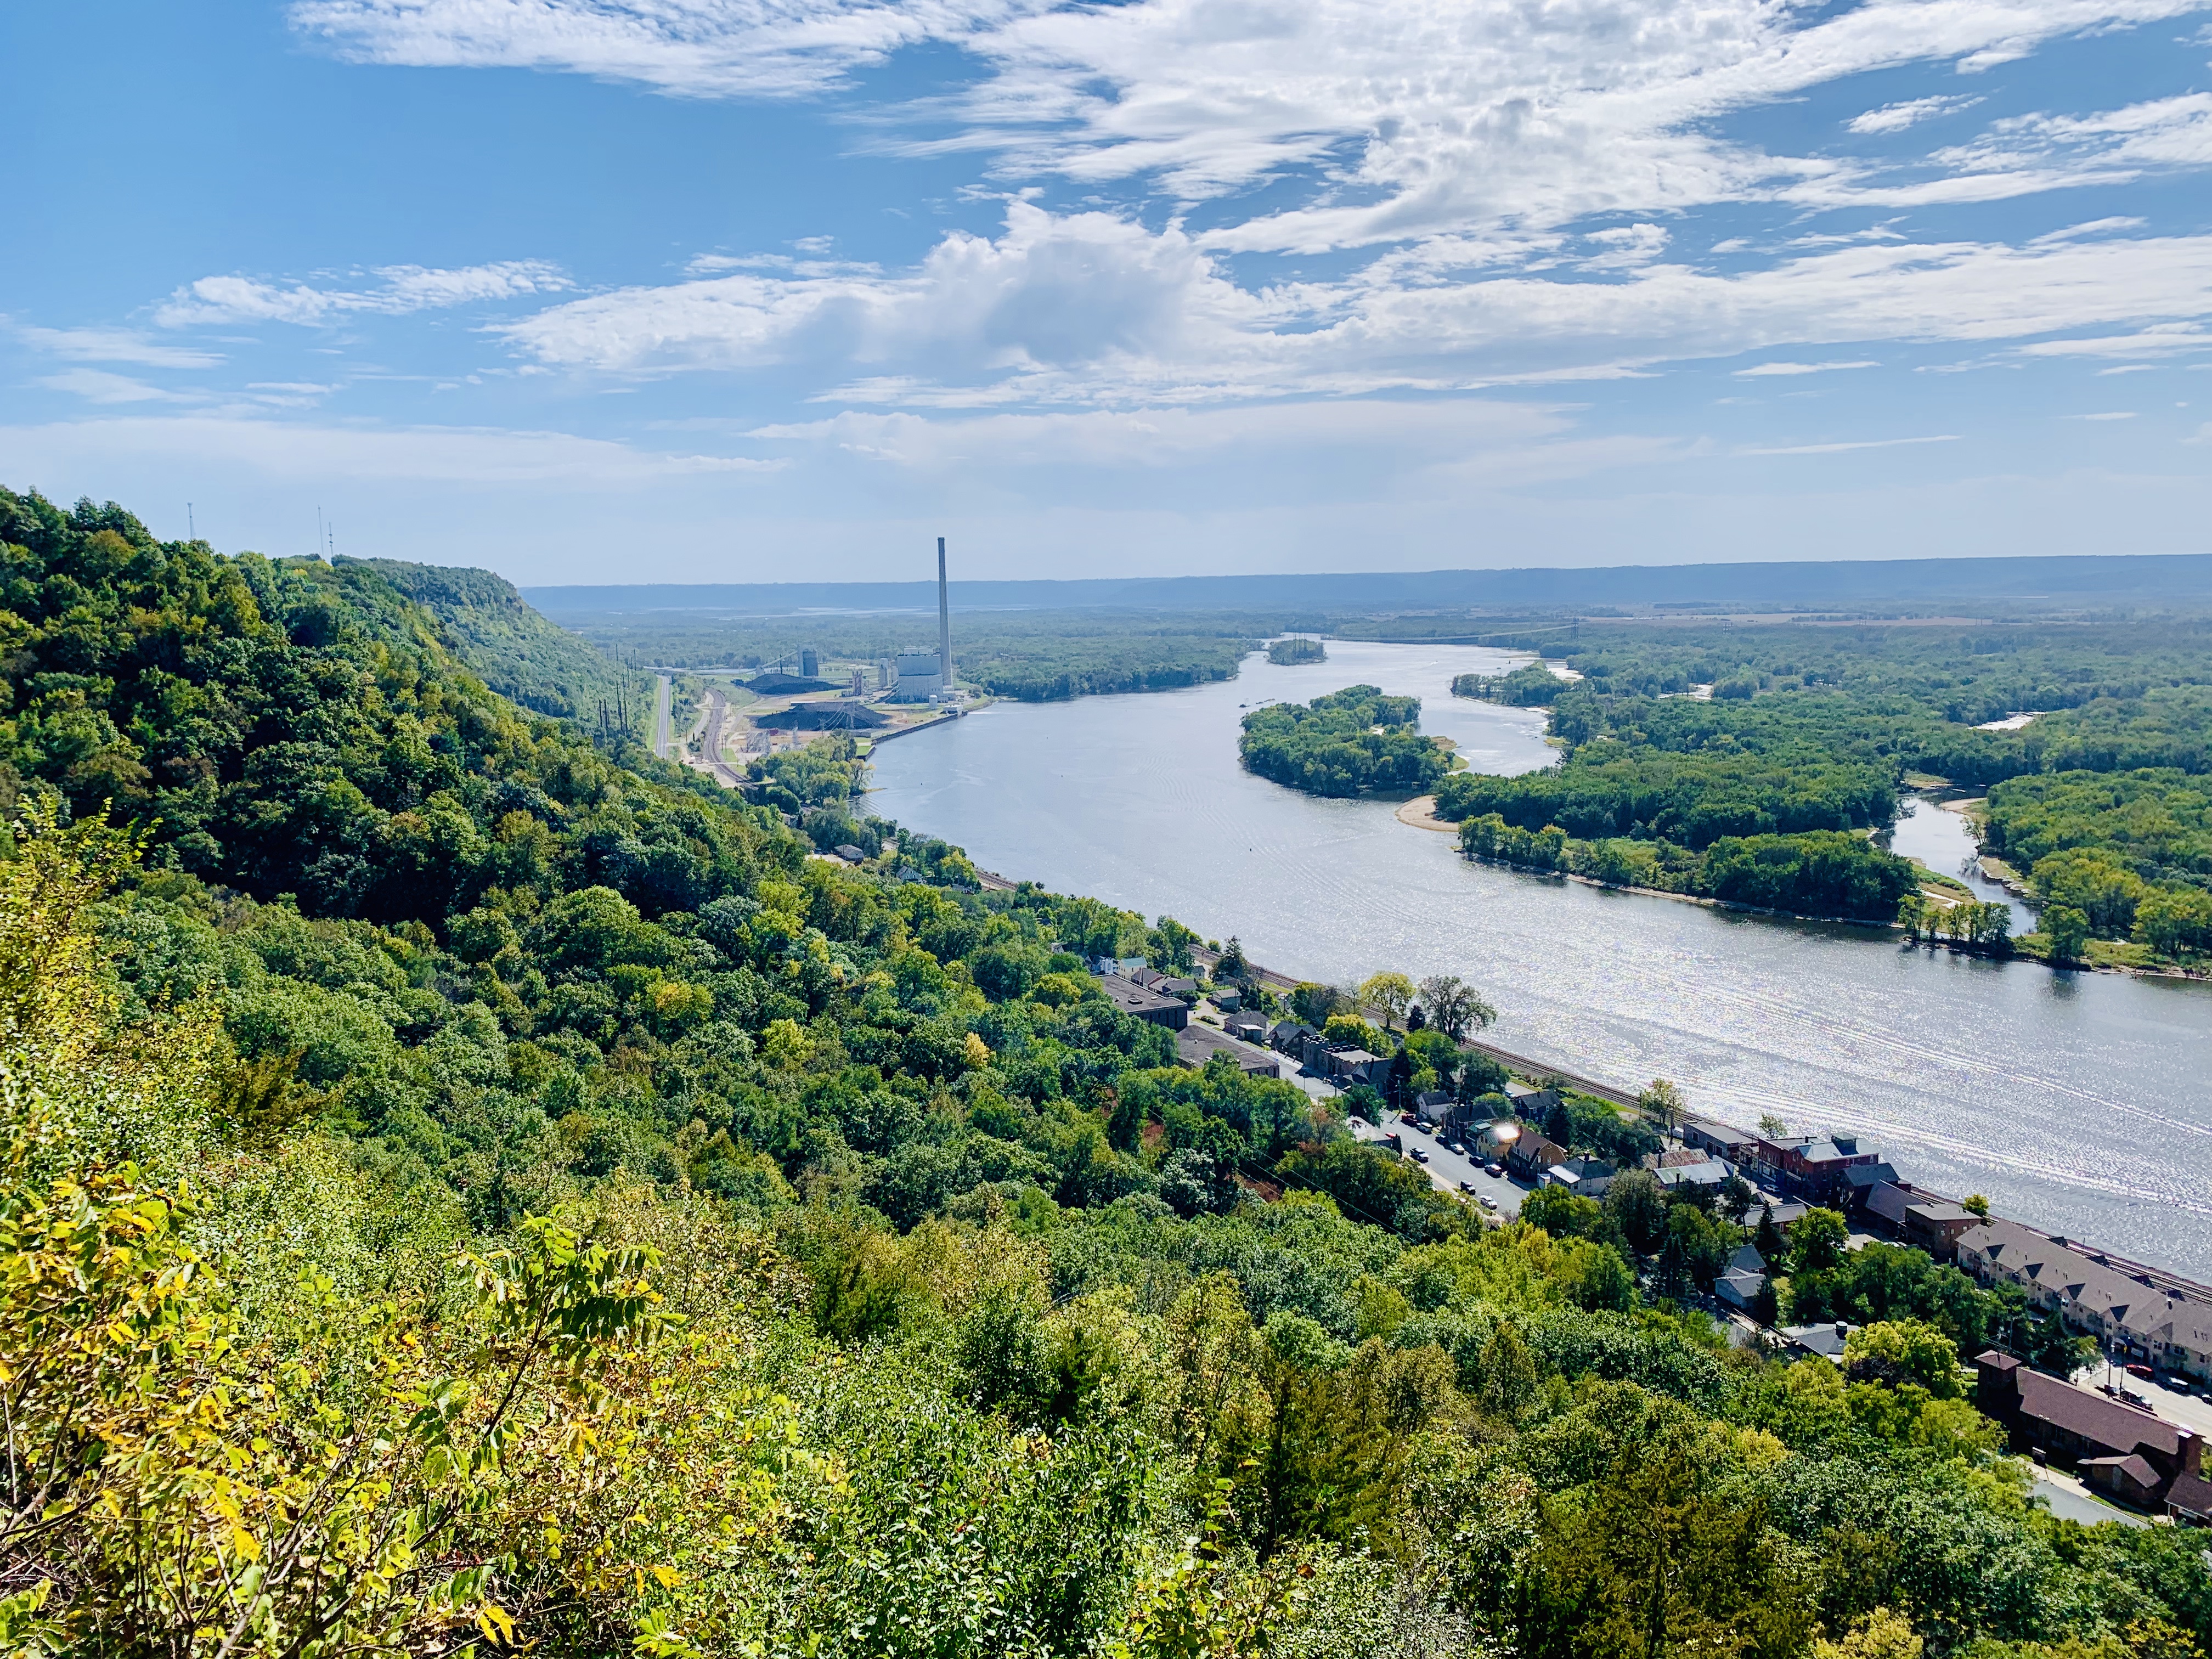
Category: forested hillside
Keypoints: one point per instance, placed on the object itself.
(460, 1191)
(516, 652)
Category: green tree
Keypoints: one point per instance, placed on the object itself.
(1389, 994)
(1817, 1241)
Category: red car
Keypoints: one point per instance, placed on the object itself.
(2143, 1371)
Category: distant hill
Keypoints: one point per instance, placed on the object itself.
(519, 654)
(2001, 583)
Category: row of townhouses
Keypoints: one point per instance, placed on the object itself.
(2123, 1309)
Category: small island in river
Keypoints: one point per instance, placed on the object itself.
(1352, 742)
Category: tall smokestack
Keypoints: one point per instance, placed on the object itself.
(944, 621)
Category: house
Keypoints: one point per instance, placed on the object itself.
(2124, 1453)
(1678, 1157)
(1742, 1279)
(1531, 1154)
(1711, 1172)
(1529, 1101)
(1197, 1044)
(1127, 967)
(849, 852)
(1704, 1135)
(1861, 1179)
(1824, 1341)
(2189, 1501)
(1434, 1106)
(1245, 1028)
(1227, 1000)
(1346, 1067)
(1134, 999)
(1289, 1036)
(1589, 1177)
(1936, 1224)
(1166, 985)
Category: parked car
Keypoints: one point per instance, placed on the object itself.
(1456, 1147)
(1466, 1187)
(2143, 1371)
(1495, 1171)
(1419, 1157)
(1487, 1202)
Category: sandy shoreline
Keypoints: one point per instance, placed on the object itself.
(1421, 813)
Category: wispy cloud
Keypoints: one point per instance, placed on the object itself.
(2103, 414)
(1895, 118)
(403, 288)
(100, 386)
(1759, 370)
(114, 345)
(1839, 448)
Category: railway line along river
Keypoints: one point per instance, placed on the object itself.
(2080, 1102)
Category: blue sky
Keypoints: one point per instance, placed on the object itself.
(598, 290)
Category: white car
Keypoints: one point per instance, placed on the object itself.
(1487, 1202)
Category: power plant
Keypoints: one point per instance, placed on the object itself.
(921, 676)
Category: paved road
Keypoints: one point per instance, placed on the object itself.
(662, 696)
(1446, 1168)
(710, 759)
(2183, 1410)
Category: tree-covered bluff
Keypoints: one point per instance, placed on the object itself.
(624, 1233)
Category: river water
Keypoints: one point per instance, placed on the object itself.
(2077, 1102)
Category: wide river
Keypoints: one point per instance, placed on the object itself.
(2081, 1102)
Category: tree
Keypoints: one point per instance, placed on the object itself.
(1638, 1206)
(1772, 1127)
(1231, 963)
(1173, 943)
(1975, 1204)
(1818, 1240)
(2068, 931)
(1895, 1352)
(1662, 1102)
(1389, 993)
(1313, 1003)
(1773, 1247)
(1454, 1007)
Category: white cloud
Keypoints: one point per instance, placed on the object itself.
(693, 48)
(1431, 117)
(2127, 369)
(99, 386)
(216, 300)
(2159, 340)
(303, 452)
(1758, 370)
(1895, 118)
(2103, 414)
(1094, 309)
(113, 345)
(1841, 448)
(2166, 133)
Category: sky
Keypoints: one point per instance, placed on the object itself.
(745, 290)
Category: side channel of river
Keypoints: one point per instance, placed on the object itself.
(2078, 1102)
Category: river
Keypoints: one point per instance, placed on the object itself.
(2077, 1102)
